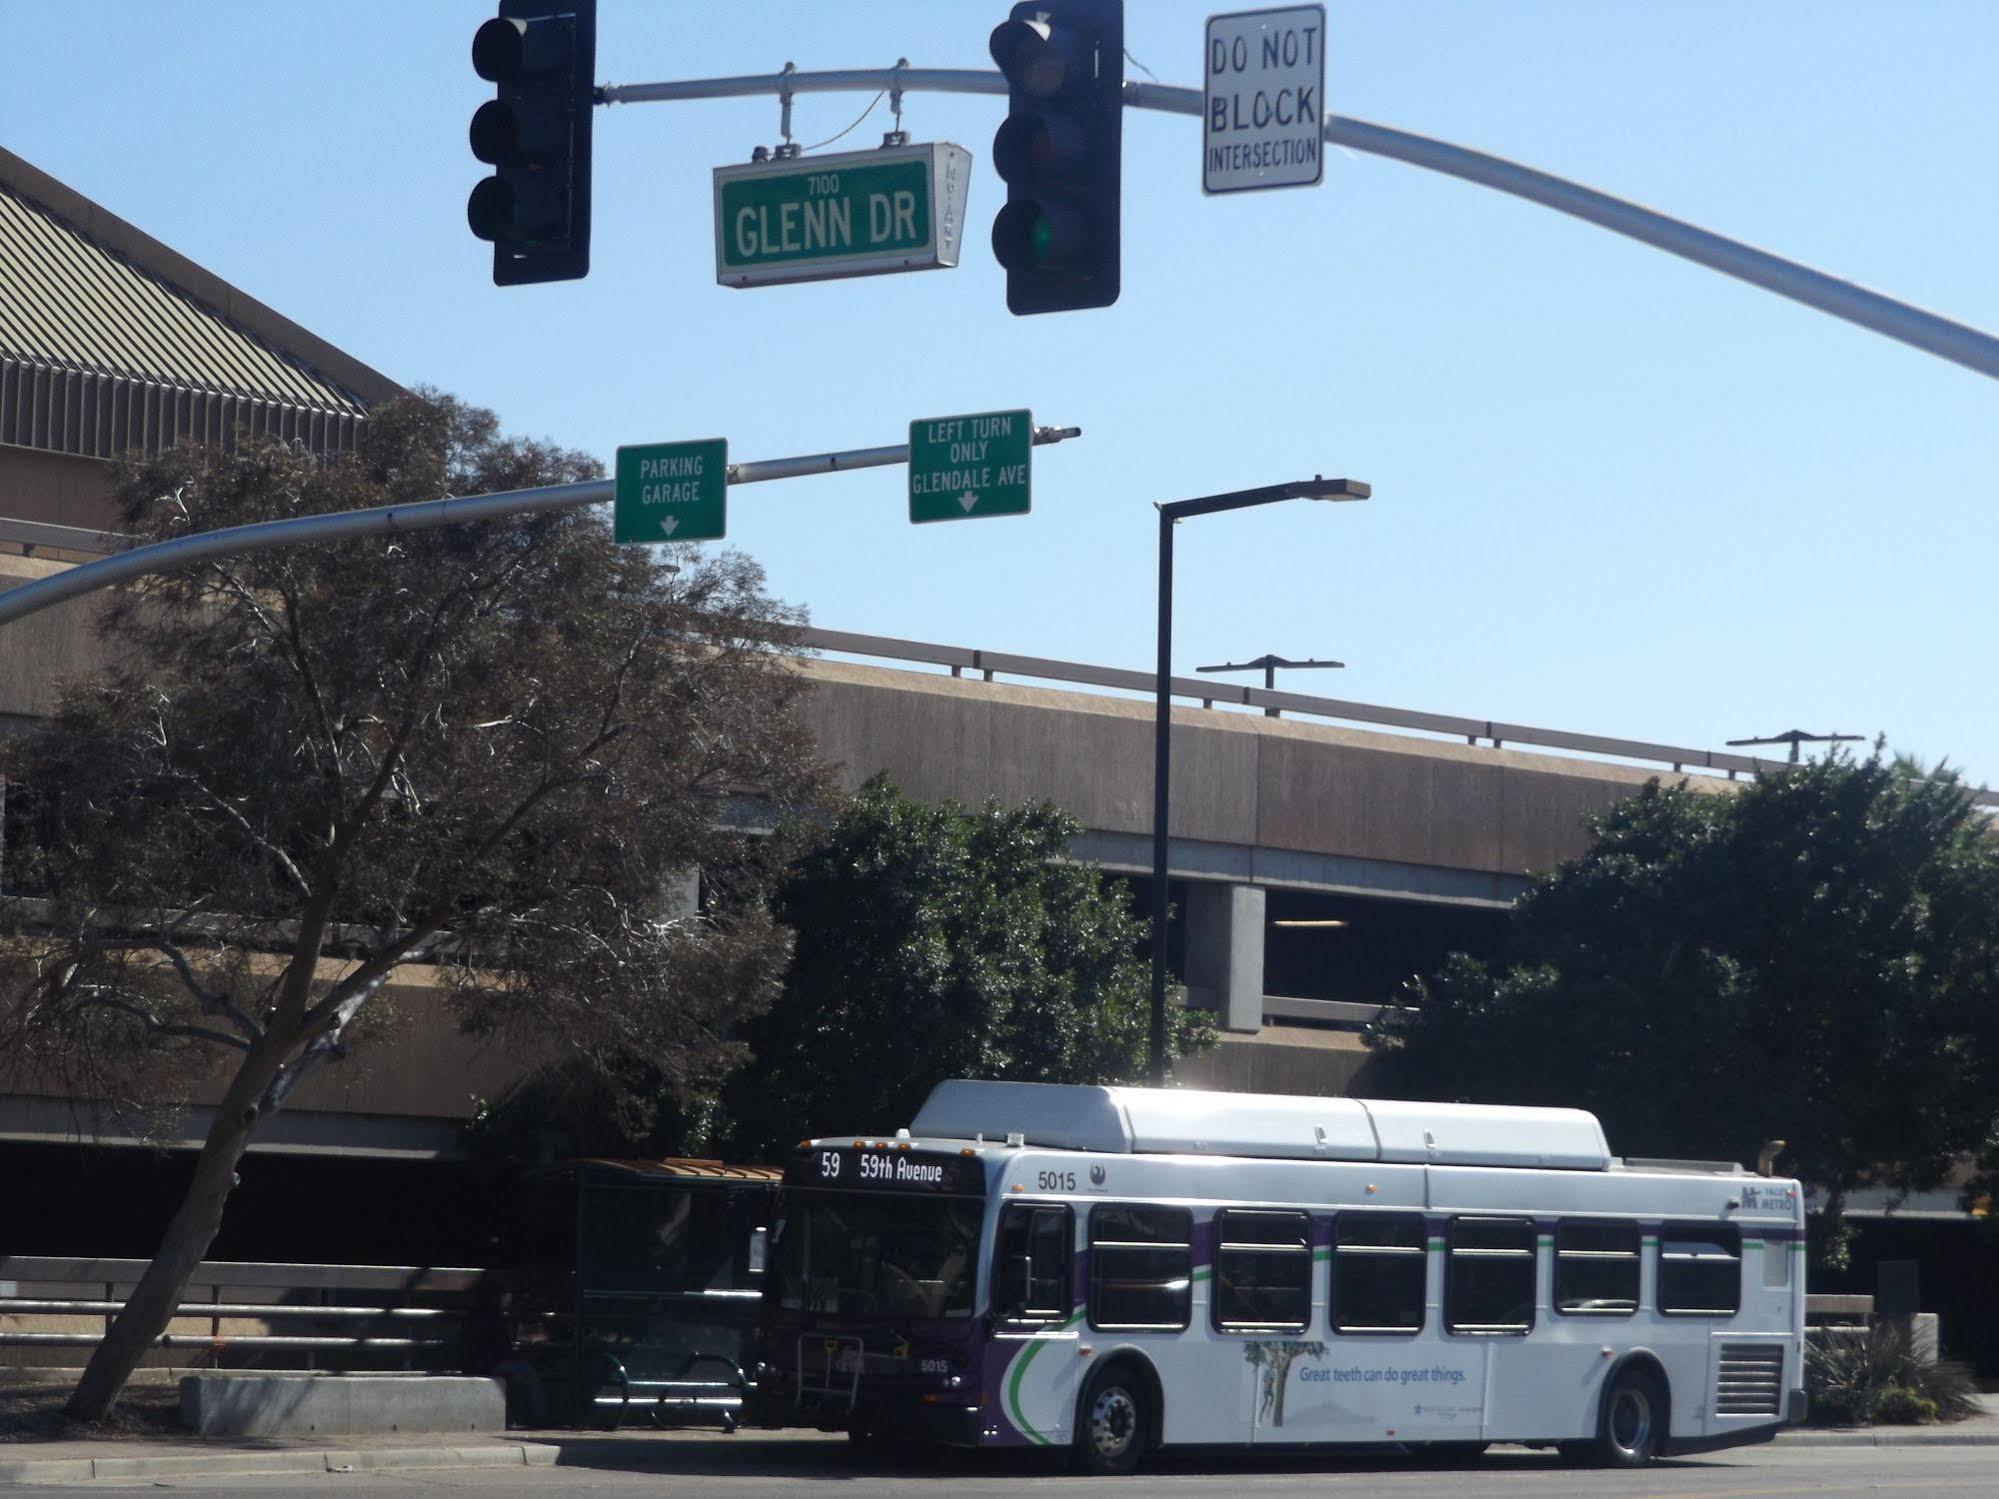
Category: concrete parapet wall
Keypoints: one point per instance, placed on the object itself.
(293, 1405)
(43, 650)
(1238, 779)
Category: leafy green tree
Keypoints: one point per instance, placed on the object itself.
(1814, 958)
(937, 942)
(491, 748)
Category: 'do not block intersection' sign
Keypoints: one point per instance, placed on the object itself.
(1264, 99)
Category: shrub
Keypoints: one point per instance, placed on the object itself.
(1877, 1377)
(1897, 1405)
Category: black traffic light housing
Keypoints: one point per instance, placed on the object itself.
(1060, 153)
(535, 133)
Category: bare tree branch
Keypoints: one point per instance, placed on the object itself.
(211, 1001)
(156, 1026)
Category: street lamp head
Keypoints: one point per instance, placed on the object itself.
(1320, 488)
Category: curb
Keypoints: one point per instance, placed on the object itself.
(220, 1464)
(1877, 1438)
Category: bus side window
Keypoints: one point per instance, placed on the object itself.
(1700, 1269)
(1263, 1271)
(1031, 1265)
(1776, 1264)
(1141, 1267)
(1489, 1277)
(1596, 1268)
(1379, 1262)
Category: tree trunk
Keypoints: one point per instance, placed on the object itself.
(1835, 1249)
(152, 1302)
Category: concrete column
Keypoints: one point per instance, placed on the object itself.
(1225, 950)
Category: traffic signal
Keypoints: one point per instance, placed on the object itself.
(535, 208)
(1060, 153)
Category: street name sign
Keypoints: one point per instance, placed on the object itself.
(1264, 100)
(858, 213)
(969, 467)
(672, 491)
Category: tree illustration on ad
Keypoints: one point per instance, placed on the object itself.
(1274, 1359)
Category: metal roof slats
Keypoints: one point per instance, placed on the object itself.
(98, 356)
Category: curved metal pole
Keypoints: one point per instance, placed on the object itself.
(1931, 332)
(164, 556)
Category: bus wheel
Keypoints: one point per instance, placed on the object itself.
(1632, 1423)
(1113, 1420)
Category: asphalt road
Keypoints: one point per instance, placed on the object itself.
(752, 1466)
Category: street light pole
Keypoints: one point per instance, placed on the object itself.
(1162, 717)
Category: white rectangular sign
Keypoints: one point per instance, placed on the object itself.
(1265, 103)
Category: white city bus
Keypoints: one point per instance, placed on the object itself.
(1118, 1269)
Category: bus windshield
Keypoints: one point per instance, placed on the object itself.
(863, 1255)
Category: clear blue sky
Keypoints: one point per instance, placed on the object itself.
(1614, 492)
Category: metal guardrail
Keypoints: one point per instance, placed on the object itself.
(1337, 1011)
(29, 534)
(991, 664)
(33, 1287)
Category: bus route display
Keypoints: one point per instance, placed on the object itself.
(866, 1169)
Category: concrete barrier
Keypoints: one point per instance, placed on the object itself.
(281, 1405)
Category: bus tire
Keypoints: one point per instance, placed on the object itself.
(1631, 1423)
(1113, 1421)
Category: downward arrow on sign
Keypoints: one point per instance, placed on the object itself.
(968, 500)
(669, 525)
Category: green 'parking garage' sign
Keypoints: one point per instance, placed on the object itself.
(672, 491)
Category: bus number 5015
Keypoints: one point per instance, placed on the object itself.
(1057, 1181)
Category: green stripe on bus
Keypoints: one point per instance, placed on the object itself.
(1020, 1369)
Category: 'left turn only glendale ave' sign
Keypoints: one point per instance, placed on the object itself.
(672, 491)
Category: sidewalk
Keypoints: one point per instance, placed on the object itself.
(23, 1463)
(1981, 1430)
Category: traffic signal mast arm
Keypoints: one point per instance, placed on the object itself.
(457, 510)
(1920, 329)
